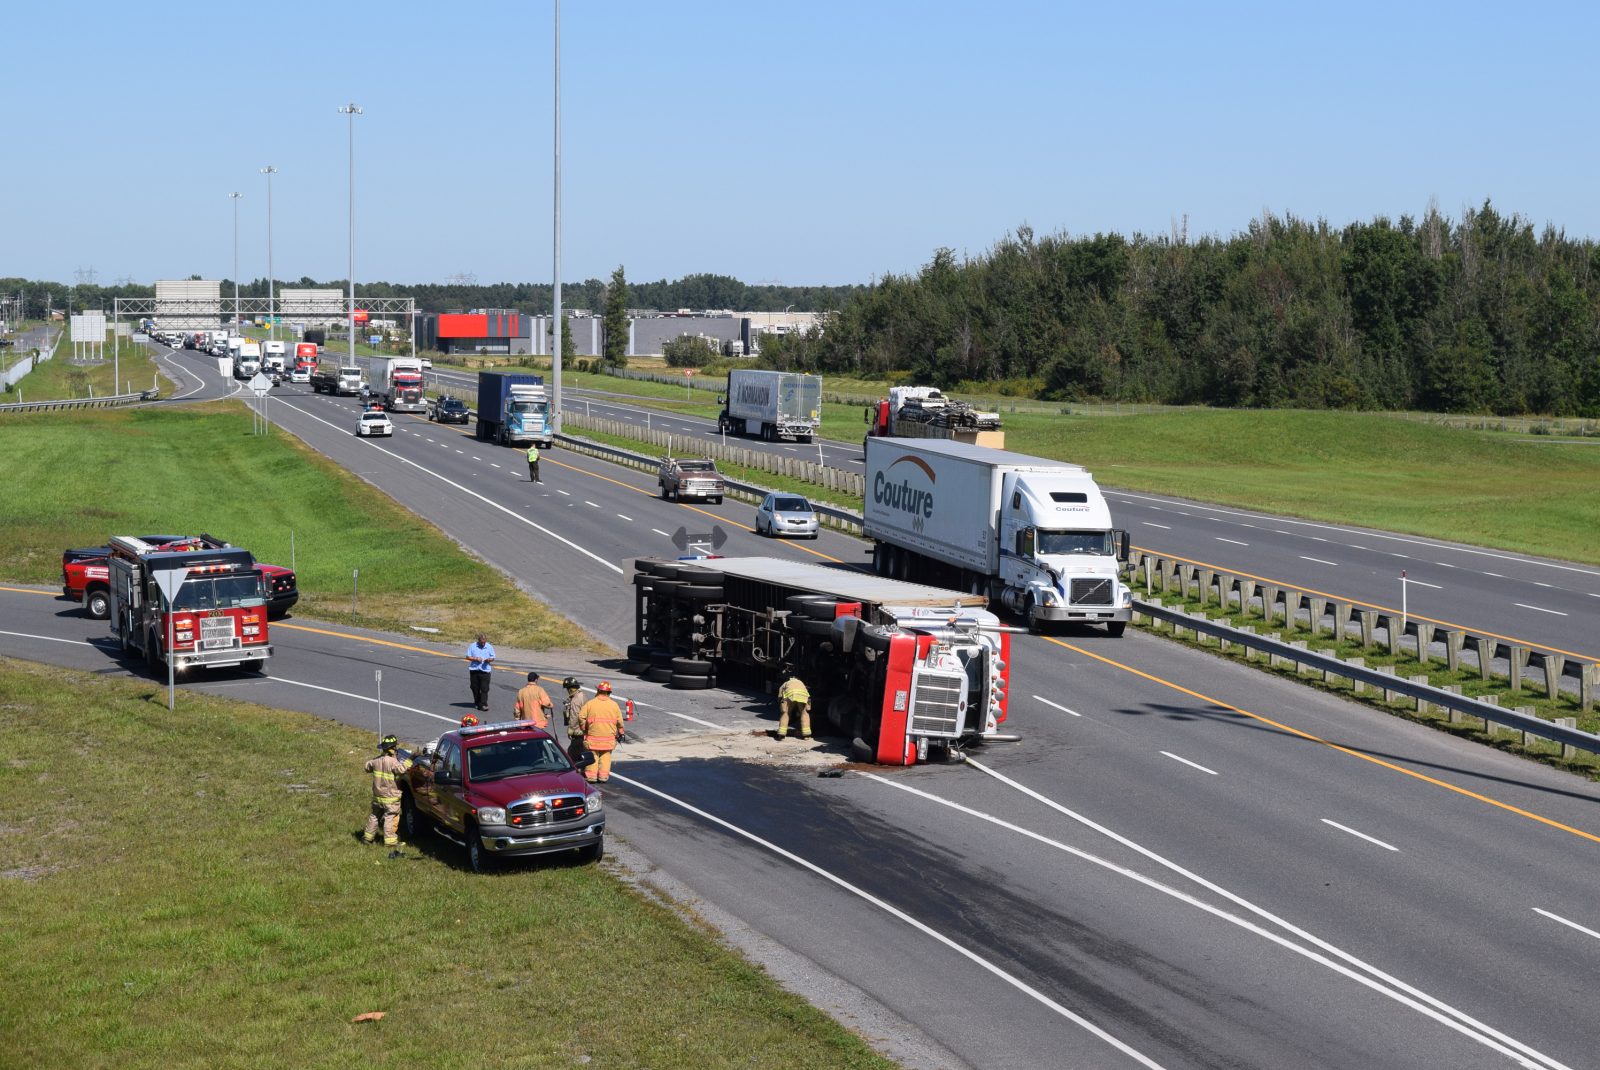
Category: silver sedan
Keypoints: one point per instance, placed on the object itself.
(786, 514)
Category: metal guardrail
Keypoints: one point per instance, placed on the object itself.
(842, 519)
(1330, 665)
(110, 401)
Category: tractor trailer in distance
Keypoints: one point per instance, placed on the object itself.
(772, 405)
(1031, 534)
(397, 381)
(513, 409)
(331, 377)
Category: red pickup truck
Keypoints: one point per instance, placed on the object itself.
(83, 577)
(503, 790)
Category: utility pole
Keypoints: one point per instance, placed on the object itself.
(272, 317)
(235, 198)
(351, 111)
(555, 288)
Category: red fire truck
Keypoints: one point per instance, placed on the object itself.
(897, 668)
(216, 617)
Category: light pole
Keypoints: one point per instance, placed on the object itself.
(555, 287)
(272, 318)
(235, 198)
(351, 111)
(786, 309)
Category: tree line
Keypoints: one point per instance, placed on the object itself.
(1483, 314)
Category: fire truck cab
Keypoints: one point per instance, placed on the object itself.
(216, 619)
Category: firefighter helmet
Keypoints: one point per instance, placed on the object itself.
(469, 720)
(571, 683)
(604, 688)
(389, 742)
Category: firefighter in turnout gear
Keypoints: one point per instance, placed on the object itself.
(533, 704)
(386, 770)
(794, 701)
(600, 721)
(569, 714)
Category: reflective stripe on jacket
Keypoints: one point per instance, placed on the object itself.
(601, 723)
(386, 770)
(794, 691)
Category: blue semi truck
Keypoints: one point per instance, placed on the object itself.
(513, 409)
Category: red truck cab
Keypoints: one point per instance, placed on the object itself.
(503, 790)
(188, 604)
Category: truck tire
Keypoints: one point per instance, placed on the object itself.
(411, 822)
(704, 577)
(658, 674)
(478, 859)
(663, 570)
(692, 667)
(817, 629)
(681, 682)
(717, 500)
(643, 579)
(640, 651)
(593, 852)
(796, 603)
(690, 592)
(259, 666)
(97, 603)
(1116, 628)
(823, 608)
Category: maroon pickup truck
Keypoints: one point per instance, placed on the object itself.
(502, 791)
(83, 577)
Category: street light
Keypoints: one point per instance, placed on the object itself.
(272, 319)
(235, 198)
(555, 282)
(351, 111)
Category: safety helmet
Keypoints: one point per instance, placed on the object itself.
(571, 683)
(604, 688)
(389, 742)
(469, 720)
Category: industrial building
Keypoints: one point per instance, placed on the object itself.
(503, 332)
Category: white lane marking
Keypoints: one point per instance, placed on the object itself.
(1194, 765)
(1570, 924)
(1419, 583)
(1360, 835)
(1536, 583)
(565, 492)
(1353, 546)
(1444, 564)
(486, 501)
(1058, 706)
(1289, 533)
(1592, 594)
(493, 465)
(1153, 524)
(1496, 575)
(47, 638)
(364, 698)
(478, 459)
(629, 519)
(658, 531)
(1440, 1008)
(1319, 561)
(856, 460)
(458, 451)
(895, 912)
(1403, 557)
(586, 501)
(1539, 609)
(1317, 538)
(1235, 542)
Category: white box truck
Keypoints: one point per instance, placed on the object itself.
(1031, 534)
(274, 357)
(772, 405)
(248, 362)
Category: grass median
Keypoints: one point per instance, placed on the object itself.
(58, 379)
(77, 478)
(187, 891)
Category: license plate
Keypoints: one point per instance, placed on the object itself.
(215, 644)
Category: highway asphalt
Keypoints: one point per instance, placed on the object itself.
(1184, 864)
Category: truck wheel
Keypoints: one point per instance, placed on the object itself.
(97, 603)
(696, 593)
(479, 859)
(657, 674)
(817, 629)
(692, 667)
(410, 820)
(822, 609)
(1116, 628)
(680, 682)
(594, 852)
(703, 577)
(640, 651)
(259, 667)
(717, 500)
(796, 603)
(1027, 616)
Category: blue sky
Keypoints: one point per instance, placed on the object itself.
(816, 143)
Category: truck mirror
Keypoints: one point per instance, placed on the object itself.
(585, 760)
(1122, 543)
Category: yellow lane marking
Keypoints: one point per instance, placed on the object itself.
(1327, 743)
(24, 590)
(1371, 605)
(383, 642)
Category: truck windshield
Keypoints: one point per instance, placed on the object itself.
(1076, 542)
(219, 592)
(514, 757)
(529, 406)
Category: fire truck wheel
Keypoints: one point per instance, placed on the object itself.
(658, 674)
(640, 651)
(410, 820)
(259, 667)
(98, 604)
(594, 852)
(694, 593)
(479, 859)
(680, 682)
(692, 667)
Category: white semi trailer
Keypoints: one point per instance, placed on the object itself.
(772, 405)
(1031, 534)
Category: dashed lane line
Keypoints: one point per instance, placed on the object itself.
(1360, 835)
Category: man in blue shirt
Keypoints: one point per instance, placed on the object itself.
(480, 664)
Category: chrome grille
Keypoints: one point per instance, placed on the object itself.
(938, 700)
(546, 810)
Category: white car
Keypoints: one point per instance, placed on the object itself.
(374, 423)
(300, 375)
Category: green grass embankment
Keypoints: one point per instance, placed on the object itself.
(58, 379)
(186, 891)
(77, 478)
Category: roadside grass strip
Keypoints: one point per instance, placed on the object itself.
(187, 890)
